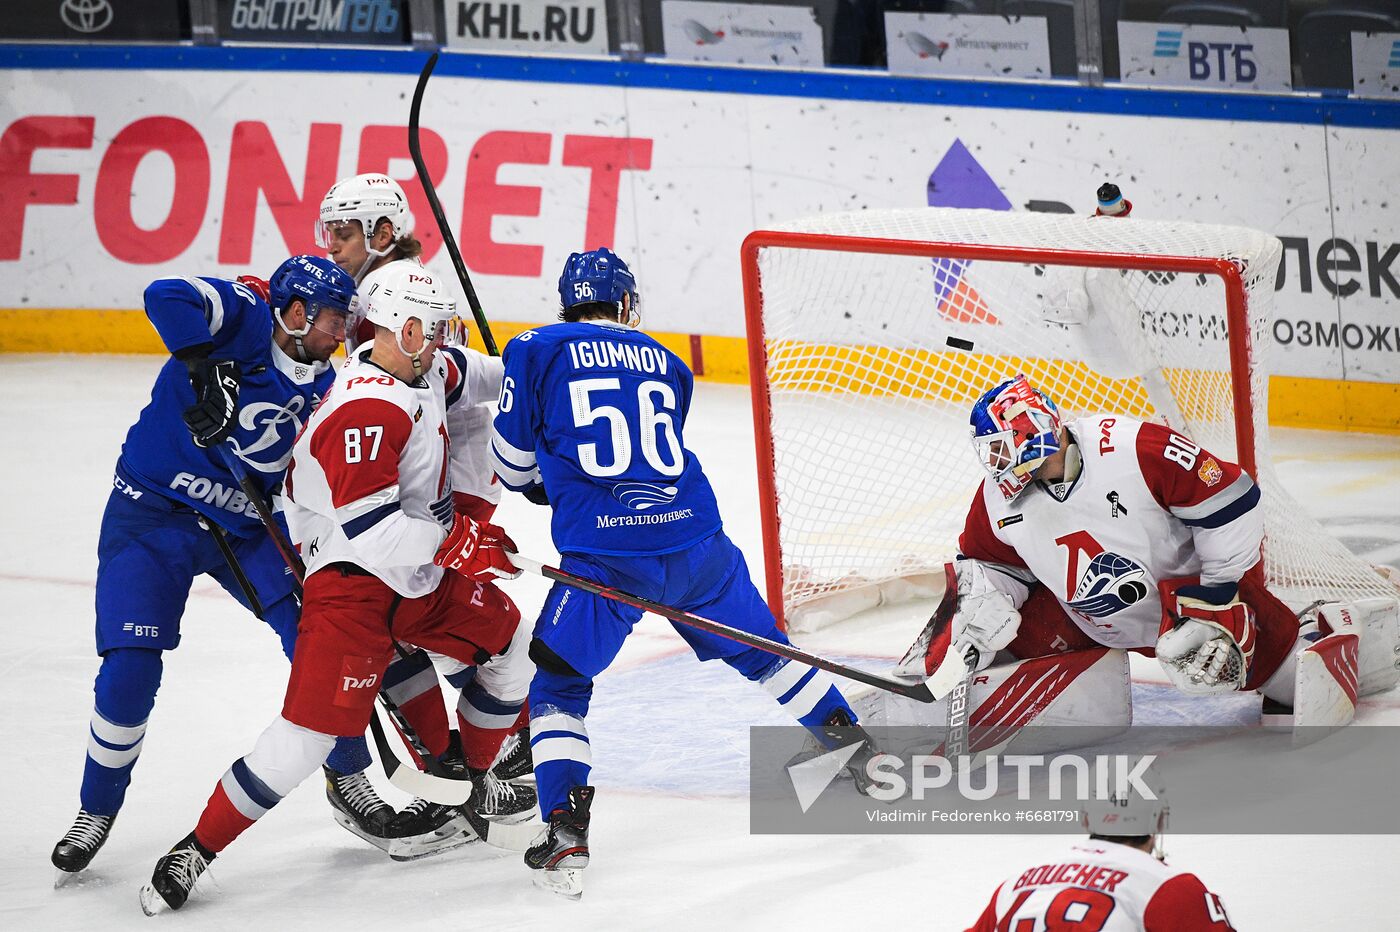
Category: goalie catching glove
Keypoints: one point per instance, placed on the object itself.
(1207, 642)
(477, 550)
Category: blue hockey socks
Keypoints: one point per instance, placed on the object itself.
(125, 693)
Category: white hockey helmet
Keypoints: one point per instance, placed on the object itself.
(395, 293)
(403, 289)
(367, 198)
(1130, 813)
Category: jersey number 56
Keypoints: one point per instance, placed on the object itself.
(656, 407)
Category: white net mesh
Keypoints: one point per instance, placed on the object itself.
(874, 360)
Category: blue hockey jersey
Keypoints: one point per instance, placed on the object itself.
(595, 411)
(276, 396)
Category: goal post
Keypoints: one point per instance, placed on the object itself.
(870, 334)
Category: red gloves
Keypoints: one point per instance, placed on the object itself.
(259, 286)
(477, 550)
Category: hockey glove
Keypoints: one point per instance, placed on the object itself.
(210, 418)
(477, 550)
(1207, 642)
(986, 618)
(258, 286)
(536, 494)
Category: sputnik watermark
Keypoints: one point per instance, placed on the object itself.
(1067, 776)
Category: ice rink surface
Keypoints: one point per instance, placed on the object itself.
(670, 841)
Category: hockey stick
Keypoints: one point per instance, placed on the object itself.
(442, 786)
(916, 691)
(436, 784)
(226, 549)
(964, 664)
(415, 150)
(264, 510)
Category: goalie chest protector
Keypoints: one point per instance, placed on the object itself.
(1103, 549)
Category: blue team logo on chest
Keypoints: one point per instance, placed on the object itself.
(1111, 582)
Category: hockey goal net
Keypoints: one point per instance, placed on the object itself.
(871, 333)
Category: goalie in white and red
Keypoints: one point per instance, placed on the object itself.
(1117, 880)
(1108, 531)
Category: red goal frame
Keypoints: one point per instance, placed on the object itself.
(1236, 313)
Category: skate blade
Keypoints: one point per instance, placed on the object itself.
(347, 823)
(152, 903)
(63, 878)
(565, 882)
(415, 849)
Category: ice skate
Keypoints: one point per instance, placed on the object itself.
(840, 732)
(514, 760)
(76, 849)
(356, 805)
(425, 828)
(175, 876)
(495, 798)
(559, 858)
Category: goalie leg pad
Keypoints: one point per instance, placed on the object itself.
(1376, 622)
(1085, 688)
(1325, 682)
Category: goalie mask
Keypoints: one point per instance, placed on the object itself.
(1014, 428)
(393, 294)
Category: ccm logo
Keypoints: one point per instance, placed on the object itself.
(1106, 445)
(355, 682)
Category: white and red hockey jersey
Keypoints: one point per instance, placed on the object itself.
(1147, 505)
(1102, 886)
(469, 426)
(370, 481)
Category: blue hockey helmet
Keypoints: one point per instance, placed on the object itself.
(321, 285)
(1015, 426)
(599, 276)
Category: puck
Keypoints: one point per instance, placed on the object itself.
(959, 343)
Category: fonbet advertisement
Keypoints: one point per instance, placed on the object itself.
(189, 172)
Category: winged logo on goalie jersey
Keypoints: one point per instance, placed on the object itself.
(1111, 582)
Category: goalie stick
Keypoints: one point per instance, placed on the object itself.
(415, 150)
(916, 691)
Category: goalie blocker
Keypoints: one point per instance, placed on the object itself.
(1312, 667)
